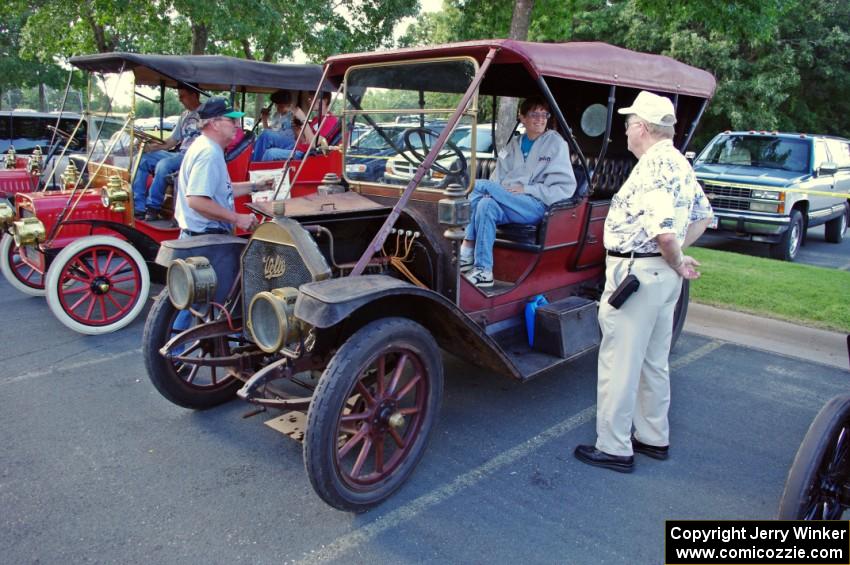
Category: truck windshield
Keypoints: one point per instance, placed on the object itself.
(758, 151)
(26, 131)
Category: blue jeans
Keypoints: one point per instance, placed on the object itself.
(281, 139)
(275, 154)
(491, 205)
(160, 164)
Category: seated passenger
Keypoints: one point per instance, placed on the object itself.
(277, 130)
(160, 162)
(532, 173)
(329, 123)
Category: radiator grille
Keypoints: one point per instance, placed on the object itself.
(728, 197)
(257, 255)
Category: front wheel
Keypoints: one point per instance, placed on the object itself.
(97, 285)
(186, 384)
(372, 413)
(788, 246)
(20, 275)
(818, 484)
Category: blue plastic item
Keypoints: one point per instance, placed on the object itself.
(530, 310)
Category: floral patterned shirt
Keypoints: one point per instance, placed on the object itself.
(661, 195)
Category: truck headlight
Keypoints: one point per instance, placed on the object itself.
(765, 194)
(191, 281)
(764, 207)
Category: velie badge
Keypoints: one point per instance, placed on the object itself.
(273, 266)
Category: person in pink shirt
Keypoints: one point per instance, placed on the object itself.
(329, 127)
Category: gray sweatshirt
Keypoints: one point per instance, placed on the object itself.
(547, 173)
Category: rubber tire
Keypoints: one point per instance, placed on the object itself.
(810, 457)
(161, 372)
(681, 312)
(5, 244)
(332, 391)
(783, 250)
(835, 228)
(52, 283)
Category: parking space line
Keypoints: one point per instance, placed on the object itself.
(60, 367)
(413, 508)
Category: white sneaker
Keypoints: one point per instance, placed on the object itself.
(480, 278)
(466, 263)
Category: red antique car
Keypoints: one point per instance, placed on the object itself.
(335, 311)
(82, 246)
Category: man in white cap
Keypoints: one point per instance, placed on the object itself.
(659, 211)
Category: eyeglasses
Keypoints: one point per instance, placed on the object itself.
(539, 115)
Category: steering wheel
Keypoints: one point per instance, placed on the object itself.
(75, 143)
(423, 137)
(146, 137)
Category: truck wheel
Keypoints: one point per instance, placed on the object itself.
(820, 472)
(681, 312)
(20, 275)
(97, 284)
(184, 384)
(372, 413)
(835, 228)
(787, 247)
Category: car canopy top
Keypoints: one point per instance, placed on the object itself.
(586, 61)
(208, 72)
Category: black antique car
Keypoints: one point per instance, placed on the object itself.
(336, 309)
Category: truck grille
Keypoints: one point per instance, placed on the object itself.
(728, 197)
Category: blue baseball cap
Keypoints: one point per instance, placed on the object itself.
(217, 108)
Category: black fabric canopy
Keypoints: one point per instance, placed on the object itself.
(209, 72)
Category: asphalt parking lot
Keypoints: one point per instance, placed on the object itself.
(97, 467)
(816, 251)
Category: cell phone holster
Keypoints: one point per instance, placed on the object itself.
(622, 293)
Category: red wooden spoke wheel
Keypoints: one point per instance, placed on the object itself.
(184, 383)
(372, 413)
(97, 284)
(20, 275)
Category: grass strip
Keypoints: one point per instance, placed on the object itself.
(812, 296)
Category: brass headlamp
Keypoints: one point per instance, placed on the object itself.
(271, 319)
(114, 195)
(36, 161)
(28, 231)
(7, 215)
(190, 281)
(10, 158)
(71, 175)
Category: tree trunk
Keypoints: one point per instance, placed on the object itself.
(507, 106)
(42, 103)
(200, 34)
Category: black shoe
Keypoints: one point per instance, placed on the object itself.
(152, 214)
(654, 451)
(592, 456)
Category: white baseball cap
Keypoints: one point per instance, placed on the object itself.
(654, 109)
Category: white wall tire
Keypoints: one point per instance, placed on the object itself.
(21, 277)
(97, 285)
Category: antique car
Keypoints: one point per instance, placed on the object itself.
(82, 246)
(771, 187)
(336, 309)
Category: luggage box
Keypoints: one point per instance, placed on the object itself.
(567, 328)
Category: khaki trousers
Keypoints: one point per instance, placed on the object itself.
(634, 375)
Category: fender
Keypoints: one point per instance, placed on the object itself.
(359, 300)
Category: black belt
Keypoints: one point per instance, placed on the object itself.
(206, 231)
(630, 255)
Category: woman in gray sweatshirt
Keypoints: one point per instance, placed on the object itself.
(532, 173)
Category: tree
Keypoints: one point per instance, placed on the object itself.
(507, 106)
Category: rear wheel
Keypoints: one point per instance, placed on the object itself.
(835, 228)
(185, 384)
(20, 275)
(97, 285)
(818, 484)
(372, 413)
(789, 244)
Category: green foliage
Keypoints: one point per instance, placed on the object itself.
(776, 289)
